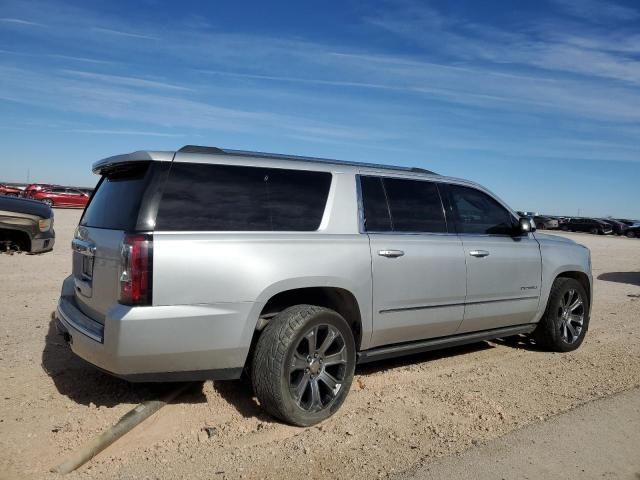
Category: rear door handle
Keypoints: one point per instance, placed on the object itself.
(390, 253)
(479, 253)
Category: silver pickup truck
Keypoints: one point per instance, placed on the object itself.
(204, 262)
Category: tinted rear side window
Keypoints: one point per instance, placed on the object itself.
(236, 198)
(116, 201)
(415, 206)
(398, 205)
(374, 201)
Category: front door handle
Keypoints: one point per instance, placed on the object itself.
(390, 253)
(479, 253)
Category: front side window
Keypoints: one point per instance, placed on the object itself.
(402, 205)
(477, 212)
(237, 198)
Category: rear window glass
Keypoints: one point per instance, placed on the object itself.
(116, 200)
(236, 198)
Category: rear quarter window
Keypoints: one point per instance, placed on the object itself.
(115, 204)
(237, 198)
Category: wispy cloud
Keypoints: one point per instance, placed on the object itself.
(128, 81)
(554, 47)
(80, 59)
(595, 11)
(120, 33)
(457, 73)
(137, 133)
(19, 21)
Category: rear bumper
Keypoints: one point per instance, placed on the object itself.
(162, 343)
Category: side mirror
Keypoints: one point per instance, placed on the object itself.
(527, 225)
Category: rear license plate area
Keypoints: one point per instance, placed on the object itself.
(87, 267)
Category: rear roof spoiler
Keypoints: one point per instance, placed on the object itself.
(139, 156)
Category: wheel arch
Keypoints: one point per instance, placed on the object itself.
(581, 278)
(337, 298)
(16, 237)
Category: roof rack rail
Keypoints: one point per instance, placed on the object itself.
(279, 156)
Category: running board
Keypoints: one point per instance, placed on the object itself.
(381, 353)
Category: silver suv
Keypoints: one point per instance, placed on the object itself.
(204, 263)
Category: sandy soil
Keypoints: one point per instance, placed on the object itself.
(399, 413)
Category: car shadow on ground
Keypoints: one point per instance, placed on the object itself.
(523, 342)
(632, 278)
(85, 384)
(239, 393)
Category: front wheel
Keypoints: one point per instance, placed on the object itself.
(631, 234)
(48, 201)
(565, 322)
(303, 364)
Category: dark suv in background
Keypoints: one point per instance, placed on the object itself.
(590, 225)
(618, 228)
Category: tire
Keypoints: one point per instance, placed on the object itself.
(631, 234)
(284, 360)
(48, 201)
(551, 333)
(593, 231)
(564, 228)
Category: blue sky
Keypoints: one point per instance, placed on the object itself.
(537, 100)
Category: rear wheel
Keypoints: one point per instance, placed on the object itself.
(48, 201)
(631, 234)
(566, 320)
(303, 364)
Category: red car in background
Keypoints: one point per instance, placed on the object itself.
(62, 197)
(32, 188)
(9, 191)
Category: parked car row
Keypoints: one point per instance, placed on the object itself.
(603, 226)
(596, 226)
(51, 195)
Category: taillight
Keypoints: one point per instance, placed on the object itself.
(136, 269)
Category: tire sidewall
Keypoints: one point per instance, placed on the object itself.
(552, 329)
(294, 413)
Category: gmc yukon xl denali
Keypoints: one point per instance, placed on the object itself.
(206, 262)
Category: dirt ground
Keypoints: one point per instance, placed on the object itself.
(399, 414)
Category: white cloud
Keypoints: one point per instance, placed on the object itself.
(128, 81)
(120, 33)
(19, 21)
(137, 133)
(598, 11)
